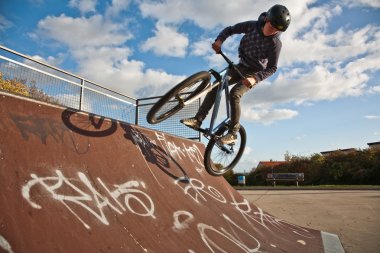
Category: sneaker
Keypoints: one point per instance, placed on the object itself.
(191, 122)
(229, 138)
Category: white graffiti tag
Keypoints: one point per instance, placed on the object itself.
(267, 221)
(192, 152)
(91, 199)
(182, 224)
(197, 190)
(231, 236)
(4, 244)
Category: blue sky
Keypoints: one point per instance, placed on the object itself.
(324, 96)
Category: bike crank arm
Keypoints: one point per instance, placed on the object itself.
(223, 147)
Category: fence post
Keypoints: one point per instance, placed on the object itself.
(137, 113)
(81, 94)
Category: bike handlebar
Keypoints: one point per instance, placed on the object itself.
(231, 64)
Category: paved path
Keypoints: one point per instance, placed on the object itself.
(353, 215)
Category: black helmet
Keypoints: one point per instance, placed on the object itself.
(279, 17)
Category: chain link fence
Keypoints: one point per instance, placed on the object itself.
(172, 124)
(32, 78)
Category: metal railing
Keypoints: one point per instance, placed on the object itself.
(72, 91)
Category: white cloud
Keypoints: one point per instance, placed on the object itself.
(247, 150)
(81, 32)
(51, 60)
(316, 45)
(84, 6)
(110, 67)
(4, 23)
(372, 117)
(116, 7)
(206, 14)
(374, 89)
(363, 3)
(303, 87)
(202, 47)
(267, 116)
(247, 162)
(167, 41)
(300, 137)
(99, 49)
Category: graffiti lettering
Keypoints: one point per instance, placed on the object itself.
(232, 237)
(265, 220)
(184, 224)
(93, 202)
(192, 152)
(4, 244)
(197, 190)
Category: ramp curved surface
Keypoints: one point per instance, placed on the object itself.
(73, 182)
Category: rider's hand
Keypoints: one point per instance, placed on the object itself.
(249, 82)
(217, 46)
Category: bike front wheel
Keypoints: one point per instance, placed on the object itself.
(220, 159)
(173, 100)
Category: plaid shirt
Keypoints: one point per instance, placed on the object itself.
(256, 51)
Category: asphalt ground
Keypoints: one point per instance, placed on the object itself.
(353, 215)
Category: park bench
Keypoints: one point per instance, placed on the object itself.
(275, 177)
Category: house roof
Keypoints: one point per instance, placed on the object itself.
(270, 163)
(339, 150)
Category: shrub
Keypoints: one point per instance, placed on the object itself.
(14, 86)
(19, 86)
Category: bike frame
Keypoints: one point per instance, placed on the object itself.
(221, 83)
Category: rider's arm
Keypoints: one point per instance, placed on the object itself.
(271, 66)
(249, 82)
(243, 27)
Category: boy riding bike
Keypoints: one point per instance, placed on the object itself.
(259, 51)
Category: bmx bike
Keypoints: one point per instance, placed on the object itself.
(218, 158)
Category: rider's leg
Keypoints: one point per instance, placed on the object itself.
(209, 100)
(206, 105)
(235, 96)
(196, 121)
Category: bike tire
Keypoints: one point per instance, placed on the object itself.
(215, 156)
(169, 104)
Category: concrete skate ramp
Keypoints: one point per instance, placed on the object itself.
(72, 182)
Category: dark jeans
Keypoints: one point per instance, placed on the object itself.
(236, 94)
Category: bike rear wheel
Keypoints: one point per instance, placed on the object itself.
(173, 100)
(220, 159)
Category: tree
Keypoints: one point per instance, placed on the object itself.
(18, 86)
(14, 86)
(359, 167)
